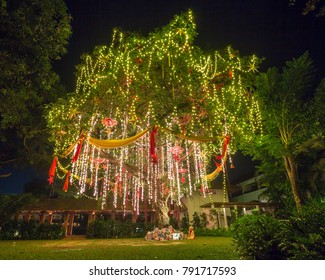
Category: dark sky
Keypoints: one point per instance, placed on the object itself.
(267, 28)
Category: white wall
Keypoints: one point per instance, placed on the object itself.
(194, 203)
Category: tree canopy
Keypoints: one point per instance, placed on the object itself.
(199, 104)
(33, 33)
(292, 117)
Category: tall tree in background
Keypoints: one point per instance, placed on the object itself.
(33, 33)
(291, 118)
(316, 7)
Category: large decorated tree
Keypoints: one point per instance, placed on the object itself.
(149, 113)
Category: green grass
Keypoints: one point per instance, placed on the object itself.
(205, 248)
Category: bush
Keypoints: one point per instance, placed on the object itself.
(114, 229)
(300, 237)
(200, 221)
(50, 231)
(185, 223)
(30, 231)
(257, 237)
(304, 235)
(212, 232)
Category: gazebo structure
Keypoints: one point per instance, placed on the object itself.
(76, 214)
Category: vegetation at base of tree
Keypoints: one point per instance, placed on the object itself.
(199, 220)
(184, 223)
(300, 236)
(101, 228)
(31, 230)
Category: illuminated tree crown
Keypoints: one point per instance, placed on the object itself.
(149, 112)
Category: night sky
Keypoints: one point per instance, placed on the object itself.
(267, 28)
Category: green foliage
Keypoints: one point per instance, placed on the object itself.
(291, 117)
(196, 222)
(304, 235)
(31, 230)
(255, 237)
(200, 221)
(278, 188)
(115, 229)
(34, 33)
(212, 232)
(185, 223)
(11, 205)
(286, 108)
(312, 167)
(300, 236)
(320, 104)
(165, 73)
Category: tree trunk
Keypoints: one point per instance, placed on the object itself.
(163, 211)
(292, 171)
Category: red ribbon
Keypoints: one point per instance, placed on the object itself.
(76, 155)
(153, 154)
(226, 141)
(52, 170)
(66, 182)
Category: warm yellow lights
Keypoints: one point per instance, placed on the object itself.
(164, 80)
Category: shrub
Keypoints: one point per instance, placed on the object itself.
(184, 223)
(114, 229)
(213, 232)
(257, 237)
(30, 231)
(97, 229)
(50, 231)
(303, 237)
(200, 221)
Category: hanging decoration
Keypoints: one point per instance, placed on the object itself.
(111, 149)
(52, 170)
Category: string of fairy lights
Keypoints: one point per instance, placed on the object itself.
(138, 82)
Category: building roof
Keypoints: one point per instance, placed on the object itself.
(68, 204)
(73, 204)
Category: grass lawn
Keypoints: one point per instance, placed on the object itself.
(202, 248)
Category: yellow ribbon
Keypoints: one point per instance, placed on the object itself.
(113, 143)
(215, 173)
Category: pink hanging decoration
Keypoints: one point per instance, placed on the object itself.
(176, 151)
(109, 122)
(182, 170)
